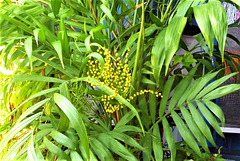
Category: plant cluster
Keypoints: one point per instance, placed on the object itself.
(102, 80)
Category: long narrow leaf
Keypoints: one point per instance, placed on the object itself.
(75, 119)
(185, 133)
(17, 128)
(170, 138)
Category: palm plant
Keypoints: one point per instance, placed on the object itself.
(64, 99)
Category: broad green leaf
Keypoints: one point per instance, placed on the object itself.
(214, 85)
(17, 128)
(222, 91)
(55, 149)
(182, 8)
(216, 110)
(201, 14)
(75, 119)
(20, 78)
(116, 147)
(185, 133)
(157, 143)
(219, 22)
(16, 146)
(28, 48)
(173, 35)
(63, 140)
(102, 152)
(158, 55)
(194, 128)
(169, 137)
(201, 123)
(55, 4)
(75, 156)
(58, 47)
(209, 117)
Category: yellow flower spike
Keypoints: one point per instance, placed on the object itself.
(156, 93)
(128, 49)
(131, 97)
(137, 93)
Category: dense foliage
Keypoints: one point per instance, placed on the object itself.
(101, 80)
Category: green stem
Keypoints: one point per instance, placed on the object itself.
(137, 73)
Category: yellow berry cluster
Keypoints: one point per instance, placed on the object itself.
(145, 91)
(116, 74)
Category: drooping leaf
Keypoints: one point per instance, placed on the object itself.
(201, 14)
(219, 22)
(173, 35)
